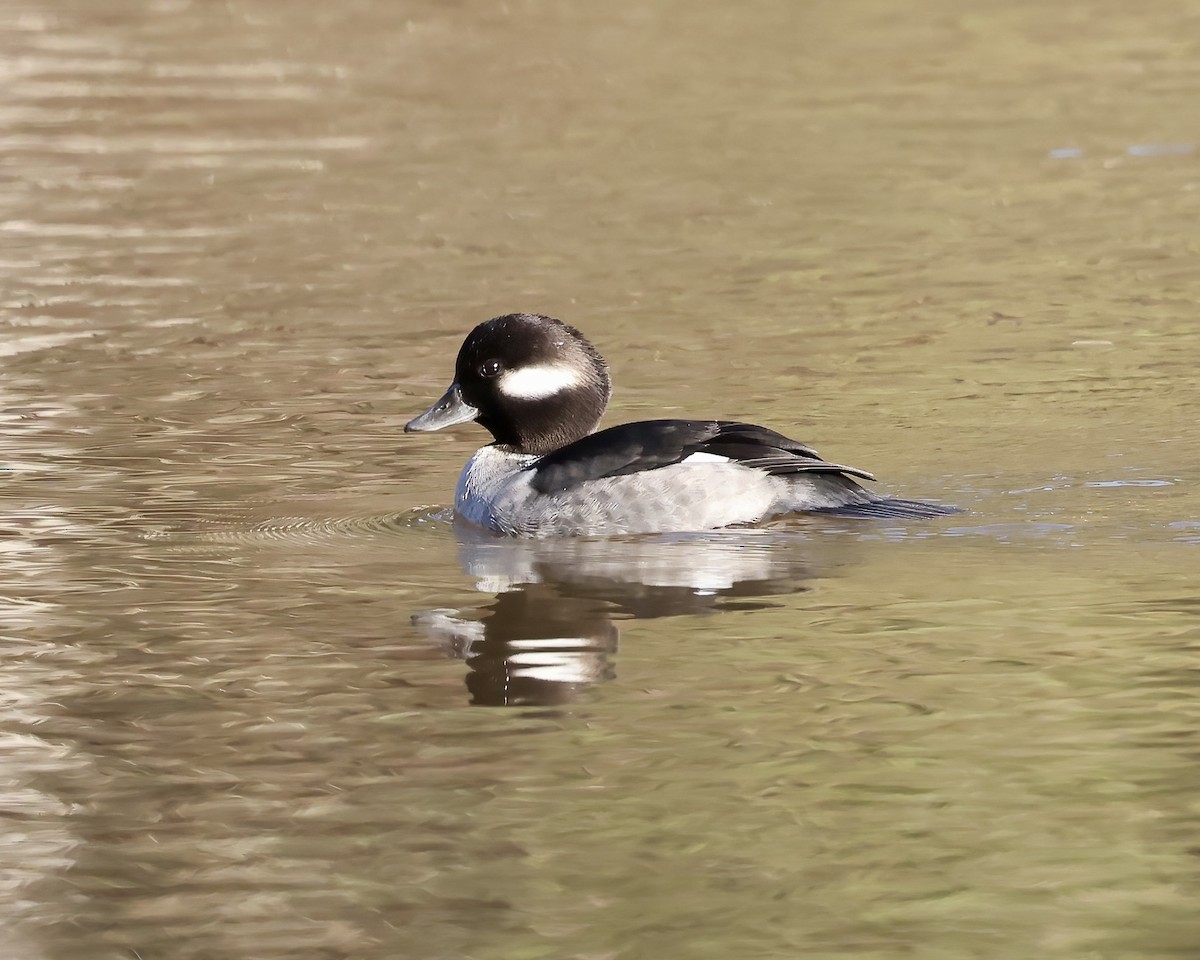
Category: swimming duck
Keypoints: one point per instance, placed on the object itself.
(540, 388)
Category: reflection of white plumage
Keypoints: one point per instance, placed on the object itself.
(699, 563)
(534, 660)
(540, 388)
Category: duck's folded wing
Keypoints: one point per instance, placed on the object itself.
(651, 444)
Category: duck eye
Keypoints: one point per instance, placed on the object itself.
(490, 368)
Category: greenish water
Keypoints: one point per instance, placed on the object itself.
(259, 698)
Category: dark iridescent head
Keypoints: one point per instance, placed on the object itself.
(535, 383)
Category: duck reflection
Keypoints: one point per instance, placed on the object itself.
(551, 630)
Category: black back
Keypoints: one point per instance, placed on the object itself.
(651, 444)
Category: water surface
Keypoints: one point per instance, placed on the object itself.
(260, 698)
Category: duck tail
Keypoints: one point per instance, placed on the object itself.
(889, 508)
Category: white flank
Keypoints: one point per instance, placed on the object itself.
(537, 383)
(705, 458)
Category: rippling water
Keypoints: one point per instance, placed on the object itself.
(261, 697)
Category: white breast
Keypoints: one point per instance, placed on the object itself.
(703, 492)
(486, 485)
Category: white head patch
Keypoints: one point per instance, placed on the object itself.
(539, 382)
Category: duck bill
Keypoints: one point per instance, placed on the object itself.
(448, 411)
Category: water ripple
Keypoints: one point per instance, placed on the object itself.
(305, 531)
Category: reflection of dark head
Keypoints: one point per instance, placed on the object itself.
(540, 649)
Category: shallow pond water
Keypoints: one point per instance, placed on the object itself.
(260, 697)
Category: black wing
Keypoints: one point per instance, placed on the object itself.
(650, 444)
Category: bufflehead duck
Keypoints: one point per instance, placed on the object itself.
(539, 387)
